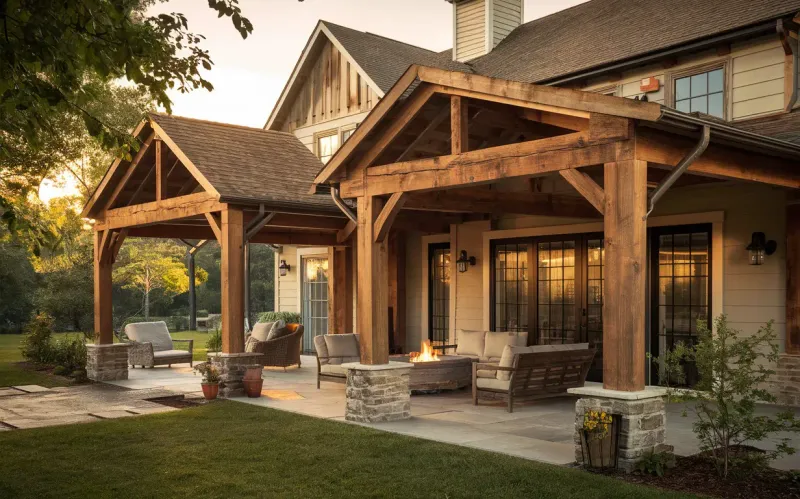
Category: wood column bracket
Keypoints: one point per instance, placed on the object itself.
(215, 224)
(588, 188)
(344, 234)
(388, 214)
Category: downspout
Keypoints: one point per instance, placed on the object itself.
(339, 202)
(679, 170)
(791, 44)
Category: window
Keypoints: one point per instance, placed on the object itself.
(346, 134)
(702, 92)
(439, 294)
(511, 287)
(315, 299)
(327, 145)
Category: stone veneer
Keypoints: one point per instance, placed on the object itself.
(107, 362)
(785, 383)
(642, 417)
(232, 368)
(377, 393)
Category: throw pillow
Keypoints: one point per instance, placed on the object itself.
(250, 344)
(507, 360)
(278, 330)
(470, 343)
(261, 330)
(497, 341)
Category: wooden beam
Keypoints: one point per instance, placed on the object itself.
(187, 163)
(480, 200)
(555, 119)
(161, 211)
(340, 290)
(588, 188)
(373, 314)
(344, 234)
(793, 279)
(661, 150)
(103, 309)
(286, 237)
(459, 125)
(524, 159)
(425, 134)
(388, 214)
(128, 173)
(295, 221)
(625, 296)
(216, 225)
(161, 178)
(232, 277)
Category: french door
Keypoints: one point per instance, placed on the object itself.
(314, 275)
(439, 294)
(559, 298)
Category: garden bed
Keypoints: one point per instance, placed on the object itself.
(696, 474)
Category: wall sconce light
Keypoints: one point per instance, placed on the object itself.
(284, 268)
(760, 247)
(464, 260)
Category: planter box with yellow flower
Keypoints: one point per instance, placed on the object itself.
(600, 439)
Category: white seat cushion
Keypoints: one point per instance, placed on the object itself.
(486, 373)
(168, 354)
(150, 332)
(321, 348)
(492, 383)
(342, 348)
(470, 343)
(261, 330)
(507, 360)
(496, 341)
(332, 369)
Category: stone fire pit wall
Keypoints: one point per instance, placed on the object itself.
(377, 393)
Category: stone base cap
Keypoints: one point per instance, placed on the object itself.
(598, 391)
(119, 346)
(358, 366)
(243, 355)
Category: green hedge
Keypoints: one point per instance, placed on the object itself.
(287, 317)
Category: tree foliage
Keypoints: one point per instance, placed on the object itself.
(17, 282)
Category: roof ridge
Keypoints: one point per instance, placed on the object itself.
(381, 36)
(220, 123)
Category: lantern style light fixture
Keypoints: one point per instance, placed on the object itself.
(464, 261)
(759, 247)
(284, 268)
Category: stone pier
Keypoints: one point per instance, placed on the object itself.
(378, 393)
(643, 421)
(107, 362)
(232, 368)
(785, 383)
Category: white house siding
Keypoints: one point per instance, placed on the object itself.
(306, 134)
(506, 15)
(470, 29)
(287, 294)
(466, 297)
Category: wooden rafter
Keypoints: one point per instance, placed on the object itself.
(128, 173)
(425, 134)
(187, 163)
(588, 188)
(161, 177)
(289, 237)
(388, 214)
(479, 200)
(215, 224)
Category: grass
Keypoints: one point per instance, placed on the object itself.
(229, 449)
(199, 350)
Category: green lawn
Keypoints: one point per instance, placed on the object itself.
(199, 348)
(229, 449)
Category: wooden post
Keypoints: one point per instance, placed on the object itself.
(397, 289)
(793, 279)
(103, 323)
(625, 296)
(232, 270)
(373, 305)
(459, 124)
(340, 290)
(161, 176)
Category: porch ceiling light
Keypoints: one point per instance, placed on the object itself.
(464, 261)
(759, 247)
(284, 268)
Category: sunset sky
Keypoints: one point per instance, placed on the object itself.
(248, 75)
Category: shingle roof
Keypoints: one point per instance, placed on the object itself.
(385, 60)
(249, 164)
(600, 32)
(784, 126)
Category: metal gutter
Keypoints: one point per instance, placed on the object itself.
(679, 170)
(790, 42)
(338, 201)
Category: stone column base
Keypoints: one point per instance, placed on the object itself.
(107, 362)
(232, 368)
(785, 384)
(378, 393)
(642, 417)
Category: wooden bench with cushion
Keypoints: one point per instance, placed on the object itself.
(535, 372)
(151, 345)
(333, 350)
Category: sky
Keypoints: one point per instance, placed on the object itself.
(249, 75)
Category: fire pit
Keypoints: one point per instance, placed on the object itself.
(432, 372)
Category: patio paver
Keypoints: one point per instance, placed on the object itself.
(31, 388)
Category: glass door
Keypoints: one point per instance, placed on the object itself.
(557, 296)
(592, 323)
(315, 300)
(439, 294)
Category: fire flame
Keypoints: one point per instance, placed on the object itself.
(427, 355)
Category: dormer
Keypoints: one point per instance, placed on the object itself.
(479, 25)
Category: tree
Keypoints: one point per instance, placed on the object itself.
(17, 282)
(154, 265)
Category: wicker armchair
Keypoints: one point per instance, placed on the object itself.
(151, 345)
(281, 352)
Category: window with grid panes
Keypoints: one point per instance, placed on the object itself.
(511, 287)
(702, 92)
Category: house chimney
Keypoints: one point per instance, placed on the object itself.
(479, 25)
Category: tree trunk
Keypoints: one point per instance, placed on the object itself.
(147, 295)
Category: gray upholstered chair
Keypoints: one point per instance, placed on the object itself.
(333, 350)
(151, 345)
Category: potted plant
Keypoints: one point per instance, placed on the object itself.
(253, 383)
(210, 379)
(599, 439)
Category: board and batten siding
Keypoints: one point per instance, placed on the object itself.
(287, 292)
(506, 15)
(331, 89)
(470, 29)
(466, 296)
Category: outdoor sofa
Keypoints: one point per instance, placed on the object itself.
(532, 372)
(333, 350)
(279, 344)
(151, 345)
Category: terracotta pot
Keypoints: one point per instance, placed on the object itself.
(210, 390)
(253, 373)
(252, 387)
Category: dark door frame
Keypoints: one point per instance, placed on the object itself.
(432, 248)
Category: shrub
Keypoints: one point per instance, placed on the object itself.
(287, 317)
(214, 342)
(733, 375)
(36, 345)
(655, 463)
(60, 371)
(69, 352)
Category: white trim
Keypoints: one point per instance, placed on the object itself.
(455, 32)
(488, 41)
(427, 241)
(715, 218)
(301, 62)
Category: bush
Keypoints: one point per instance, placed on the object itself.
(60, 371)
(69, 352)
(214, 342)
(287, 317)
(655, 463)
(36, 345)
